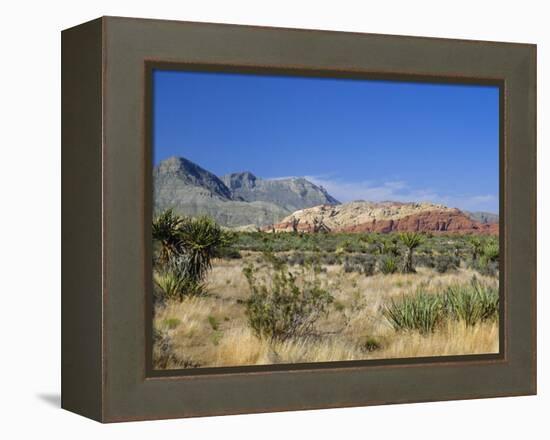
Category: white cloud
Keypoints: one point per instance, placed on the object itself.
(401, 191)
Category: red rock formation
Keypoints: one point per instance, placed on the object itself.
(452, 221)
(429, 221)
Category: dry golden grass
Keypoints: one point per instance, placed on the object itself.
(452, 339)
(212, 330)
(240, 346)
(315, 350)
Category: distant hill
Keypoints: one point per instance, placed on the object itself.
(290, 194)
(482, 216)
(236, 200)
(384, 217)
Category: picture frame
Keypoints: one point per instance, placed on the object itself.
(106, 202)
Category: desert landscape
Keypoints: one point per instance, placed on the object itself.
(251, 271)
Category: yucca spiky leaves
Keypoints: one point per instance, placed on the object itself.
(411, 240)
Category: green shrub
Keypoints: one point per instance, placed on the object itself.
(347, 246)
(282, 305)
(491, 251)
(445, 263)
(388, 265)
(348, 267)
(371, 344)
(330, 259)
(228, 253)
(338, 306)
(488, 261)
(486, 267)
(384, 246)
(171, 323)
(360, 263)
(213, 322)
(297, 259)
(369, 266)
(216, 337)
(163, 349)
(421, 311)
(424, 259)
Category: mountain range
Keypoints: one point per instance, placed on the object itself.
(244, 201)
(234, 200)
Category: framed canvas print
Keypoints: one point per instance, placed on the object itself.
(262, 219)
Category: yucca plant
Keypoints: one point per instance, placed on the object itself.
(421, 311)
(476, 247)
(169, 285)
(165, 230)
(187, 246)
(200, 238)
(472, 303)
(411, 240)
(174, 286)
(176, 281)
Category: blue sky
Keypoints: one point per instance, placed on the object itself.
(360, 139)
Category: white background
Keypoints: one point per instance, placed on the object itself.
(30, 219)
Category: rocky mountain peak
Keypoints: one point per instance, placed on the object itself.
(243, 179)
(290, 193)
(235, 199)
(191, 174)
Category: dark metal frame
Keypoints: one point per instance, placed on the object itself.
(106, 194)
